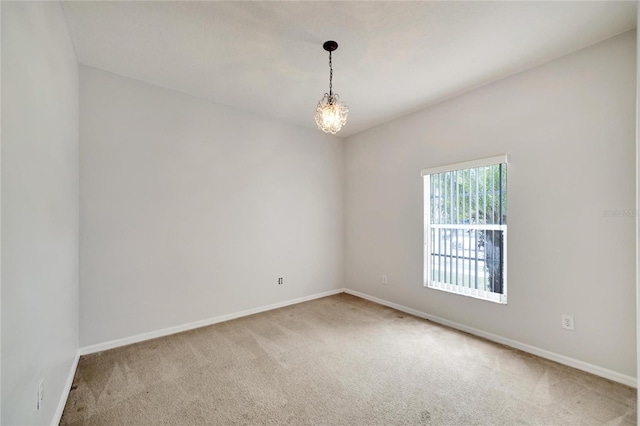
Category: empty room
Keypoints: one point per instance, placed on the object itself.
(318, 213)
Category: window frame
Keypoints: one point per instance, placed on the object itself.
(500, 298)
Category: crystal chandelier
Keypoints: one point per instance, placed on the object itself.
(331, 113)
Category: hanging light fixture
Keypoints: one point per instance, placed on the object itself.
(331, 113)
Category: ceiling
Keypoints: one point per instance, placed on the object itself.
(393, 57)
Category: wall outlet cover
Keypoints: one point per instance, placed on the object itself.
(567, 322)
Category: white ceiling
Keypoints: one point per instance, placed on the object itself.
(394, 57)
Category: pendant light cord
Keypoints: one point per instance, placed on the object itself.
(330, 76)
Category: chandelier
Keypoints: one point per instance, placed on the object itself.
(331, 113)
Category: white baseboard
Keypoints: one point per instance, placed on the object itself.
(197, 324)
(65, 391)
(542, 353)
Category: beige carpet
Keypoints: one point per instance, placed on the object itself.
(339, 360)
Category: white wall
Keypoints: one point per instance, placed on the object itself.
(39, 209)
(638, 194)
(568, 127)
(190, 210)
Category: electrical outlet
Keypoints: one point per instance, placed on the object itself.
(280, 281)
(40, 394)
(385, 279)
(567, 322)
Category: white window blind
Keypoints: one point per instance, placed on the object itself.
(465, 228)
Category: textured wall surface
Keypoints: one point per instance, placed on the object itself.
(190, 210)
(569, 129)
(39, 209)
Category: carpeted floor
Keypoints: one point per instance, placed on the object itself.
(340, 360)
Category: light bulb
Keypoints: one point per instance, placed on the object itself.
(331, 114)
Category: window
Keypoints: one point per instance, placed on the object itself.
(465, 228)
